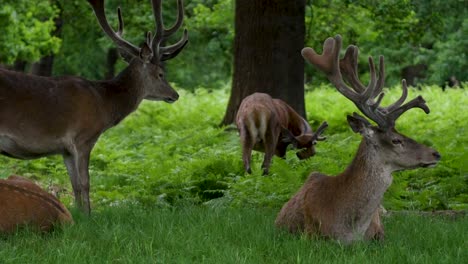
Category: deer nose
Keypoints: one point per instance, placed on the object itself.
(436, 155)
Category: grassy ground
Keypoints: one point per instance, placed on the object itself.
(206, 235)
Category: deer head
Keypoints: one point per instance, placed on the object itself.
(145, 61)
(305, 142)
(394, 148)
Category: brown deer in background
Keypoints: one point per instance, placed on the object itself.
(346, 207)
(46, 116)
(270, 125)
(23, 203)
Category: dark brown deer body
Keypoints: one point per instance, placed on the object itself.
(346, 207)
(42, 116)
(270, 125)
(23, 203)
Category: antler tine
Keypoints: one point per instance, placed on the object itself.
(165, 53)
(381, 81)
(171, 51)
(401, 100)
(179, 20)
(157, 12)
(348, 67)
(396, 109)
(320, 130)
(99, 11)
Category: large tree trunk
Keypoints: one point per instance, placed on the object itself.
(267, 52)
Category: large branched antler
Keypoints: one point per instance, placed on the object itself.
(367, 99)
(159, 53)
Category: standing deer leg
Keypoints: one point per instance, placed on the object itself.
(72, 168)
(270, 140)
(83, 168)
(77, 162)
(247, 146)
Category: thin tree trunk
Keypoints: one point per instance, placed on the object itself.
(112, 57)
(45, 65)
(267, 52)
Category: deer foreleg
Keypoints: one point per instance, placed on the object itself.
(375, 229)
(77, 166)
(83, 169)
(72, 168)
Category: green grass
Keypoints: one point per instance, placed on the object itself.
(227, 235)
(167, 154)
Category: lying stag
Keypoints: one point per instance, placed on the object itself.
(46, 116)
(346, 207)
(23, 203)
(270, 125)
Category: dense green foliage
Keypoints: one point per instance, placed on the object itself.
(208, 235)
(167, 155)
(26, 30)
(408, 32)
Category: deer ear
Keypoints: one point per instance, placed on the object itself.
(146, 53)
(358, 123)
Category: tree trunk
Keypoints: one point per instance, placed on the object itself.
(112, 57)
(44, 66)
(267, 53)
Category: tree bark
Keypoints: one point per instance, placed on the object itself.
(267, 53)
(44, 66)
(112, 57)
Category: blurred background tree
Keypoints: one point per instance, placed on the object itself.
(422, 40)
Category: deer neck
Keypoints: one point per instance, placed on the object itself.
(367, 178)
(296, 124)
(122, 94)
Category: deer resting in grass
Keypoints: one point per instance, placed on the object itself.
(346, 207)
(270, 125)
(23, 203)
(42, 116)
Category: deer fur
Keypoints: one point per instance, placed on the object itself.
(23, 203)
(270, 125)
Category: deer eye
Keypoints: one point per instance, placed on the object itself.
(396, 141)
(161, 75)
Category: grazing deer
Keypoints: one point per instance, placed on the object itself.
(270, 125)
(346, 207)
(23, 203)
(46, 116)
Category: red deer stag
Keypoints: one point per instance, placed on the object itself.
(23, 203)
(346, 207)
(270, 125)
(46, 116)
